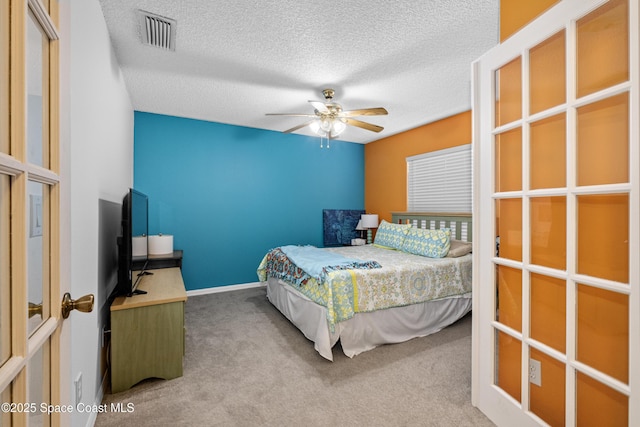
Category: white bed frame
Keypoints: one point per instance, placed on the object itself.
(392, 325)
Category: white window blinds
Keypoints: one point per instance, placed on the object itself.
(440, 181)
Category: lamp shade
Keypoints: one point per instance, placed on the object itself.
(369, 220)
(359, 227)
(337, 127)
(315, 127)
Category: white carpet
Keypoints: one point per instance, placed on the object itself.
(246, 365)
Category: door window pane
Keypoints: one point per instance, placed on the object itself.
(547, 67)
(547, 399)
(39, 390)
(548, 310)
(508, 368)
(603, 48)
(603, 331)
(603, 142)
(548, 153)
(603, 236)
(509, 293)
(38, 255)
(509, 222)
(548, 231)
(37, 94)
(509, 92)
(509, 160)
(5, 269)
(599, 405)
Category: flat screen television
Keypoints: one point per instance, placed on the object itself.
(132, 243)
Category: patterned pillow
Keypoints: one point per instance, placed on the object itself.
(391, 236)
(429, 243)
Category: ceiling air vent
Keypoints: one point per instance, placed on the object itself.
(157, 31)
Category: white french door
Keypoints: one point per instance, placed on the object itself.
(556, 326)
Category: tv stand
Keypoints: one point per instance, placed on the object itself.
(154, 262)
(147, 332)
(137, 292)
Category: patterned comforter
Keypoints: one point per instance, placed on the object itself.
(404, 279)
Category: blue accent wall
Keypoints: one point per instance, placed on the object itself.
(228, 193)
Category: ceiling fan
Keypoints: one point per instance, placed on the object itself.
(329, 119)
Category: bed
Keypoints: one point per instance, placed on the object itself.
(383, 293)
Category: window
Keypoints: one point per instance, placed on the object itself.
(440, 181)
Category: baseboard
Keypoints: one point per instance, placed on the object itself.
(98, 401)
(228, 288)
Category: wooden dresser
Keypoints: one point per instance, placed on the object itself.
(147, 330)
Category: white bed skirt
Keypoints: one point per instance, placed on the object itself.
(364, 331)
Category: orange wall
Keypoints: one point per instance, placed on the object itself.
(385, 170)
(515, 14)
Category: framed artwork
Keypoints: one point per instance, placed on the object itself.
(35, 215)
(339, 226)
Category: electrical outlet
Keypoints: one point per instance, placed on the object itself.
(535, 372)
(78, 385)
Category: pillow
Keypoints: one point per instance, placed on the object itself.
(459, 248)
(391, 236)
(429, 243)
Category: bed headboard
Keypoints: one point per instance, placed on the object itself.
(459, 223)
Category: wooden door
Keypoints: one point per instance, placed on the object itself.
(30, 293)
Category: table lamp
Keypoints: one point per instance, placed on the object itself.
(369, 221)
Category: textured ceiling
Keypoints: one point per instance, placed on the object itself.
(237, 60)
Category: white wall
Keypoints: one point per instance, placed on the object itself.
(100, 145)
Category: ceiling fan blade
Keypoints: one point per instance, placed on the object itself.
(363, 125)
(292, 114)
(319, 106)
(295, 128)
(379, 111)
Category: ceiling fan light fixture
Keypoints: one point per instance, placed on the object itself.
(337, 127)
(328, 127)
(315, 127)
(329, 120)
(326, 124)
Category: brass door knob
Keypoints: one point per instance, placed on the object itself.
(84, 304)
(34, 309)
